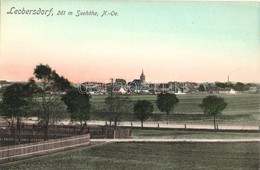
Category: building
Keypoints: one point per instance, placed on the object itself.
(219, 90)
(92, 87)
(254, 89)
(227, 91)
(142, 78)
(4, 84)
(139, 85)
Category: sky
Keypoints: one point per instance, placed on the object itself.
(169, 40)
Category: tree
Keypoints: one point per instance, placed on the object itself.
(16, 105)
(117, 106)
(166, 102)
(52, 87)
(241, 86)
(201, 88)
(121, 82)
(224, 85)
(213, 105)
(78, 105)
(143, 109)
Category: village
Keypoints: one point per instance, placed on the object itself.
(140, 86)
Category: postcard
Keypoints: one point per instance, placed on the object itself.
(160, 84)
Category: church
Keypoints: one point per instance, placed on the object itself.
(140, 81)
(139, 84)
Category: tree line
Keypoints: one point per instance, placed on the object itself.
(51, 96)
(236, 86)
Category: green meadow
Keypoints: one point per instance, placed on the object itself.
(243, 103)
(149, 155)
(242, 108)
(177, 134)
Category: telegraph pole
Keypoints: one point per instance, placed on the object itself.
(111, 100)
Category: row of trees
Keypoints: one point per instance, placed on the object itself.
(48, 99)
(53, 95)
(236, 86)
(143, 109)
(212, 105)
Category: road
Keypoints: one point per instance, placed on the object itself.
(175, 140)
(175, 125)
(164, 125)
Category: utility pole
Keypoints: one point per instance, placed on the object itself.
(111, 100)
(175, 88)
(163, 88)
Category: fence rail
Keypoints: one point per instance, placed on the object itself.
(28, 134)
(11, 153)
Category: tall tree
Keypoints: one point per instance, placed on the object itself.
(201, 88)
(117, 106)
(143, 109)
(213, 105)
(166, 102)
(78, 105)
(16, 105)
(52, 87)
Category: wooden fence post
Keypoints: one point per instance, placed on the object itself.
(158, 125)
(114, 134)
(185, 126)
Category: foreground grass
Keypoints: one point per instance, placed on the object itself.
(174, 134)
(150, 156)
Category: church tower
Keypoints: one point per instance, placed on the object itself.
(142, 77)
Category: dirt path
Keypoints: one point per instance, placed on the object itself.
(175, 125)
(171, 125)
(175, 140)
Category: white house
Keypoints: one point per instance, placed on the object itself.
(227, 91)
(254, 89)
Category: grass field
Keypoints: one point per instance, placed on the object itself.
(174, 134)
(239, 104)
(243, 103)
(149, 156)
(242, 108)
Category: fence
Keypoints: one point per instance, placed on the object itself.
(29, 134)
(11, 153)
(122, 133)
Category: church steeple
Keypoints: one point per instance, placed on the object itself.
(142, 77)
